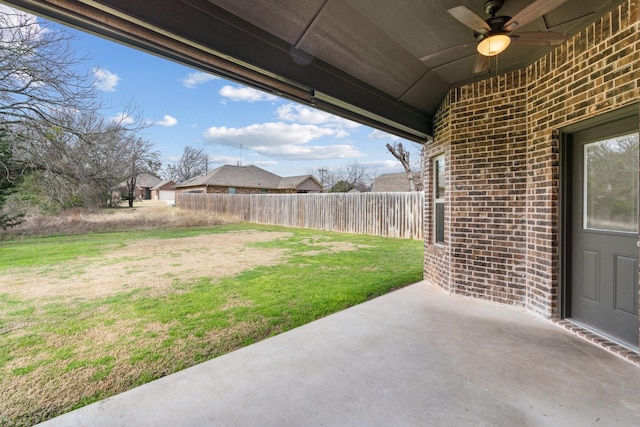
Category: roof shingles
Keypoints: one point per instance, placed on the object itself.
(245, 177)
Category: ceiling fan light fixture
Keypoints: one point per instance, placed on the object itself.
(494, 44)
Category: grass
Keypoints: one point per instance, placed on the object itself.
(145, 215)
(59, 352)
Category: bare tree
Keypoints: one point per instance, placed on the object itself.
(404, 156)
(139, 159)
(39, 71)
(345, 178)
(49, 109)
(193, 162)
(355, 176)
(325, 175)
(78, 162)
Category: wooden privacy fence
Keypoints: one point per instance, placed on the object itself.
(379, 214)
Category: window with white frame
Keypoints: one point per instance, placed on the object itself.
(438, 199)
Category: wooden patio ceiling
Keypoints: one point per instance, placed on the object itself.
(384, 63)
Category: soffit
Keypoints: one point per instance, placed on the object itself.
(357, 58)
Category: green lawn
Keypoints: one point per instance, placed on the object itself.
(64, 343)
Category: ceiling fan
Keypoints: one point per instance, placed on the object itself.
(495, 34)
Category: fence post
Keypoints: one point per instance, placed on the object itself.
(381, 214)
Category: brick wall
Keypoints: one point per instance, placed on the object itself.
(500, 137)
(438, 267)
(595, 72)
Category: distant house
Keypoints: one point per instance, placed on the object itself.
(165, 191)
(301, 184)
(248, 180)
(395, 182)
(144, 183)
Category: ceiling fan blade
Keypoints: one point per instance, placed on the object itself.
(539, 38)
(470, 19)
(532, 12)
(482, 64)
(434, 55)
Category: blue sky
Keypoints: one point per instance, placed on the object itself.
(231, 122)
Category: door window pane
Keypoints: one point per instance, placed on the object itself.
(611, 184)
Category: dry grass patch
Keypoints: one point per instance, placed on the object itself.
(49, 380)
(104, 359)
(85, 317)
(154, 264)
(143, 216)
(87, 374)
(328, 246)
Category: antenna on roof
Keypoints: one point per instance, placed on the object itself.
(240, 161)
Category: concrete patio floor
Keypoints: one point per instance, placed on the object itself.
(414, 357)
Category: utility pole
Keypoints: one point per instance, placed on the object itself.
(322, 172)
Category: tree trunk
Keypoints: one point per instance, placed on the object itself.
(131, 190)
(399, 153)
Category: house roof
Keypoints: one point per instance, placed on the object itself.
(393, 182)
(384, 63)
(296, 181)
(143, 180)
(147, 180)
(244, 176)
(161, 184)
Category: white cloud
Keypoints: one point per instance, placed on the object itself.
(197, 78)
(245, 94)
(378, 134)
(310, 152)
(264, 163)
(284, 140)
(123, 118)
(105, 80)
(217, 160)
(230, 160)
(25, 79)
(167, 121)
(301, 114)
(223, 160)
(271, 134)
(384, 166)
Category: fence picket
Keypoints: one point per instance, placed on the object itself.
(380, 214)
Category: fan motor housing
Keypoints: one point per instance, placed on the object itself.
(497, 22)
(497, 26)
(491, 7)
